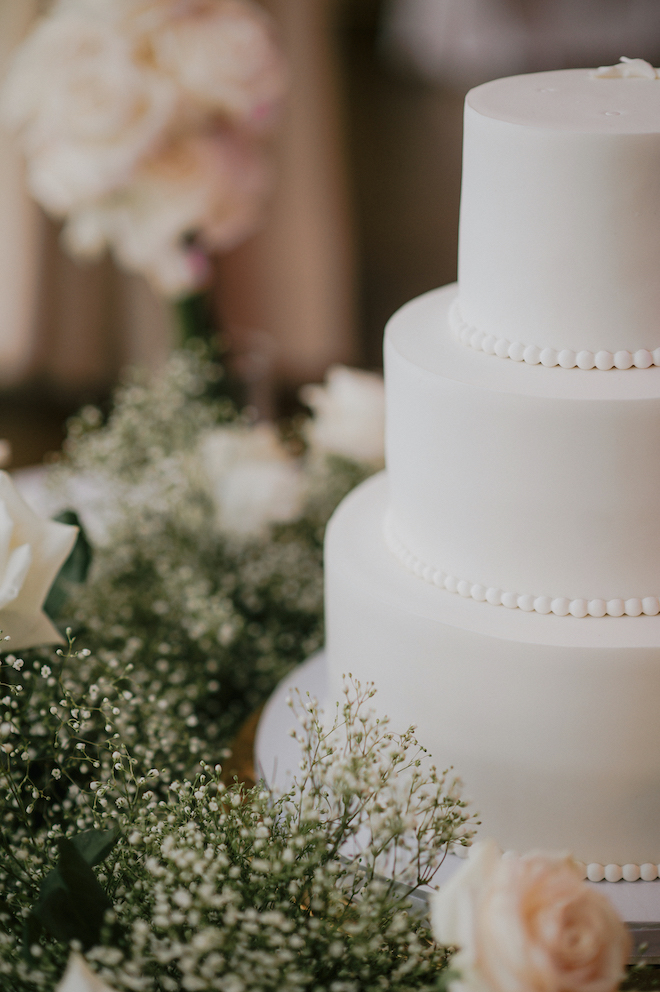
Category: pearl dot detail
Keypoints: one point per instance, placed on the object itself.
(517, 351)
(616, 873)
(561, 606)
(596, 872)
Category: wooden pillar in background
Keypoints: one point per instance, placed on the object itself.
(287, 295)
(20, 222)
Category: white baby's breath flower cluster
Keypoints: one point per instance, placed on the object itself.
(214, 887)
(207, 533)
(142, 122)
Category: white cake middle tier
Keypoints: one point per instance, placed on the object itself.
(542, 484)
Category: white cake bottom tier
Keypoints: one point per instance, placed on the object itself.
(551, 722)
(540, 483)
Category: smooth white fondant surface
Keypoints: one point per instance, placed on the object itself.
(560, 212)
(550, 721)
(516, 477)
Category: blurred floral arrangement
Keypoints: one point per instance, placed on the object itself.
(206, 534)
(144, 123)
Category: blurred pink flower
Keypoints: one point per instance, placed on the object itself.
(210, 186)
(528, 924)
(223, 53)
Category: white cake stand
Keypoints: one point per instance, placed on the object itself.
(277, 755)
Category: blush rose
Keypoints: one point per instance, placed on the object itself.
(528, 924)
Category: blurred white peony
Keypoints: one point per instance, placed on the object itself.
(139, 120)
(32, 551)
(212, 185)
(349, 415)
(87, 110)
(528, 924)
(79, 977)
(254, 482)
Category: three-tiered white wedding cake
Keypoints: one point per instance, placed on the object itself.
(500, 583)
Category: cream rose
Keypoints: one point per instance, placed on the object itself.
(528, 924)
(254, 482)
(79, 977)
(214, 185)
(349, 415)
(32, 551)
(87, 109)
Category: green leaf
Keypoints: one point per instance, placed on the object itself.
(72, 904)
(31, 934)
(95, 845)
(74, 570)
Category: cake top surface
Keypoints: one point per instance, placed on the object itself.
(572, 100)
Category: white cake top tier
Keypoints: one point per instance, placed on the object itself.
(560, 213)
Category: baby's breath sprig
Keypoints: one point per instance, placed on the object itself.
(231, 888)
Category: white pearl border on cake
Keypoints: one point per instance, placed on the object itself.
(595, 872)
(560, 606)
(550, 357)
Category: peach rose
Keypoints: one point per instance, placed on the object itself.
(213, 185)
(528, 924)
(86, 108)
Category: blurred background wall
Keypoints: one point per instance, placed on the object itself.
(364, 214)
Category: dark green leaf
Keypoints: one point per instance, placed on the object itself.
(95, 845)
(72, 904)
(31, 934)
(74, 570)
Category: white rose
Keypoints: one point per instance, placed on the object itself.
(223, 53)
(32, 551)
(213, 185)
(253, 480)
(528, 924)
(79, 977)
(87, 109)
(349, 415)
